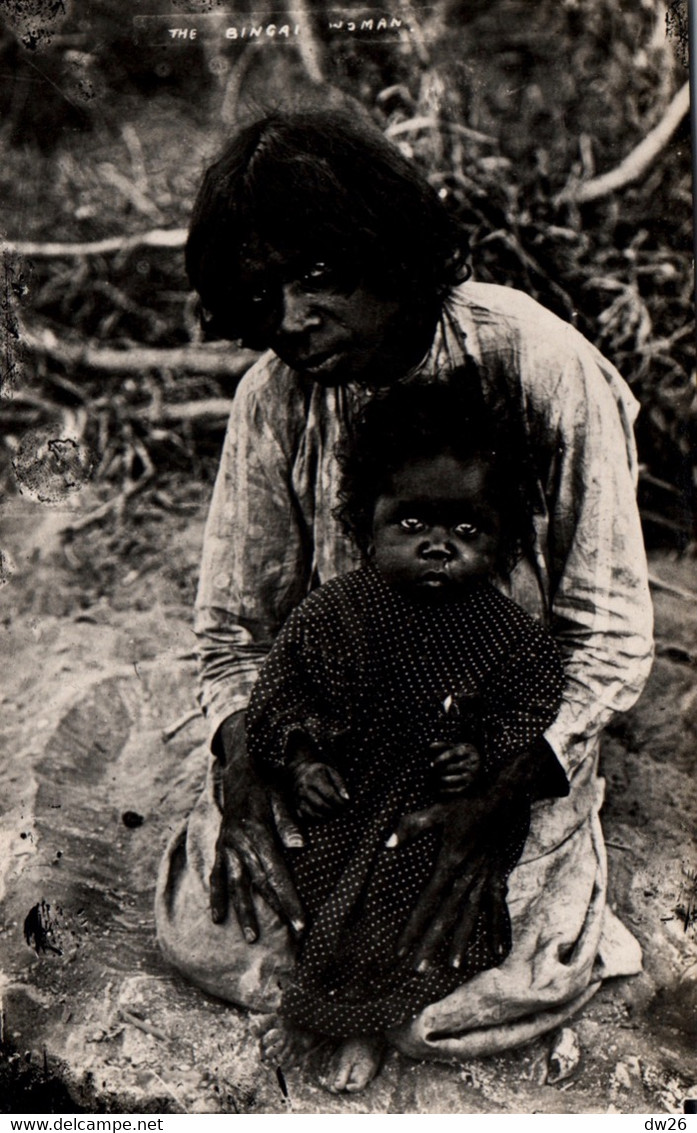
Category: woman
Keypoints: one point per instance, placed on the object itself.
(314, 238)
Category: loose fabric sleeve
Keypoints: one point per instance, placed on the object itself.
(255, 565)
(601, 614)
(304, 686)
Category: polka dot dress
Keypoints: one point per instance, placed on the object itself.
(367, 674)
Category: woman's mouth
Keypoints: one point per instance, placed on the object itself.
(322, 363)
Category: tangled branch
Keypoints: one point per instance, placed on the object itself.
(156, 238)
(636, 163)
(221, 360)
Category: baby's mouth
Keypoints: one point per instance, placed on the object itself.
(434, 578)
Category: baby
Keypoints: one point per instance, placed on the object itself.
(399, 685)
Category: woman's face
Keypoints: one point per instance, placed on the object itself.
(317, 318)
(437, 531)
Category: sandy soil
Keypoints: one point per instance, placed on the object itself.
(98, 666)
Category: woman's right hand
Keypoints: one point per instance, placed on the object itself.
(249, 848)
(467, 874)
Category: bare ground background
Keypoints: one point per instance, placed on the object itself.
(93, 1017)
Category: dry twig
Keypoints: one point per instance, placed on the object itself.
(224, 361)
(635, 163)
(669, 588)
(155, 238)
(129, 190)
(116, 503)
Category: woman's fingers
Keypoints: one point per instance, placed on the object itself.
(415, 823)
(457, 772)
(250, 858)
(278, 882)
(465, 893)
(499, 917)
(454, 784)
(447, 767)
(430, 901)
(439, 926)
(241, 896)
(217, 887)
(287, 828)
(229, 881)
(468, 918)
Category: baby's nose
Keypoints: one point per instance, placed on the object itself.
(438, 544)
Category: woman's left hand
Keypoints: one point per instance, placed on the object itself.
(467, 875)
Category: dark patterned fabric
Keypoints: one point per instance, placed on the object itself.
(367, 674)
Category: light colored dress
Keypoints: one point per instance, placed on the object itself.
(271, 537)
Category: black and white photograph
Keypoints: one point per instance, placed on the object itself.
(348, 544)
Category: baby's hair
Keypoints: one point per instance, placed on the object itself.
(419, 420)
(331, 185)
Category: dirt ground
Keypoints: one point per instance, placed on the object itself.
(98, 669)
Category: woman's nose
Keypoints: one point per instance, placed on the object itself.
(299, 312)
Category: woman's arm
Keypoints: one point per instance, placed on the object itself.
(601, 613)
(256, 560)
(519, 701)
(579, 417)
(254, 570)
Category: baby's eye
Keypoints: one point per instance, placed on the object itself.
(411, 523)
(466, 530)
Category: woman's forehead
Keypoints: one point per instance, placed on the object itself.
(261, 254)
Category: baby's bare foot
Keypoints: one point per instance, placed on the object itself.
(354, 1064)
(284, 1045)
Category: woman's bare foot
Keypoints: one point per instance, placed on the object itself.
(285, 1045)
(354, 1064)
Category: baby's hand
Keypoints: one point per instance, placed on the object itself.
(455, 767)
(318, 789)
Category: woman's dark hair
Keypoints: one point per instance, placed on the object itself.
(418, 420)
(332, 188)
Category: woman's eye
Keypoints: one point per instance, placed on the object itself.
(319, 276)
(466, 530)
(411, 524)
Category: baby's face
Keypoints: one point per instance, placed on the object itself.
(438, 529)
